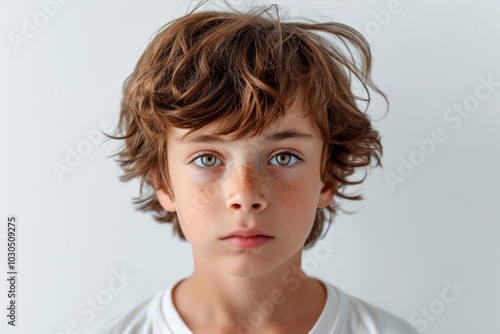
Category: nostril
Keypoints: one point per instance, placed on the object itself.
(236, 206)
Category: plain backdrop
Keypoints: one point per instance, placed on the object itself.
(429, 220)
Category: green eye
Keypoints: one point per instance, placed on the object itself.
(285, 159)
(206, 160)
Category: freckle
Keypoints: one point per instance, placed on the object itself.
(248, 178)
(290, 196)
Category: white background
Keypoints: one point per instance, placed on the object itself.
(442, 223)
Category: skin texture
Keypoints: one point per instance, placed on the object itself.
(250, 183)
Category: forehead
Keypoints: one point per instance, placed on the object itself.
(296, 123)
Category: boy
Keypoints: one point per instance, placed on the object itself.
(247, 129)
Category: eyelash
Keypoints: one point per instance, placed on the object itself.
(277, 154)
(291, 155)
(202, 155)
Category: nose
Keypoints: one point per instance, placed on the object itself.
(246, 190)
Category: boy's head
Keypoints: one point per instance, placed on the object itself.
(238, 74)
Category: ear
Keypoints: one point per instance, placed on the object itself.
(165, 201)
(164, 198)
(327, 192)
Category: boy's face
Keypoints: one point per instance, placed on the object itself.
(269, 182)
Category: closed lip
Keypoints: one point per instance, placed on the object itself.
(247, 233)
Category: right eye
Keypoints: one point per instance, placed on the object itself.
(206, 160)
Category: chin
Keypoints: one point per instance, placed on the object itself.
(250, 267)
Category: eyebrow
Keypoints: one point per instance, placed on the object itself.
(287, 134)
(273, 137)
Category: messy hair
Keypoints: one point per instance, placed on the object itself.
(241, 71)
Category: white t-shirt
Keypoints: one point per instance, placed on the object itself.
(342, 314)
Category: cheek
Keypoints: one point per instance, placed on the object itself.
(289, 195)
(195, 201)
(297, 200)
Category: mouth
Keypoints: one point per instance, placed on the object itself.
(247, 238)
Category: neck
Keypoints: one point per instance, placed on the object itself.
(283, 295)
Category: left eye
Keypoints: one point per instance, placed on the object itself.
(206, 160)
(285, 159)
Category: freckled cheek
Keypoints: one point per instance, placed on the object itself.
(295, 200)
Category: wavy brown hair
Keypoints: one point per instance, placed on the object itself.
(242, 71)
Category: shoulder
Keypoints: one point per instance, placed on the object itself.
(361, 317)
(138, 320)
